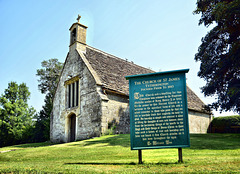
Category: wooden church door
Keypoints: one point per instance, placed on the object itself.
(72, 127)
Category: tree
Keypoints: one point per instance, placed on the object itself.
(42, 126)
(15, 115)
(49, 78)
(219, 52)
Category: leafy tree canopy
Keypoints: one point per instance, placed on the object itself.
(219, 52)
(15, 114)
(49, 76)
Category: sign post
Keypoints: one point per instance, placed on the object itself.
(180, 160)
(158, 111)
(140, 156)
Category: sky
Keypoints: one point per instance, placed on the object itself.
(161, 35)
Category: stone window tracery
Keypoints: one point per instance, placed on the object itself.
(72, 92)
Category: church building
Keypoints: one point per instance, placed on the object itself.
(93, 95)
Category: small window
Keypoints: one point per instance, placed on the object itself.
(73, 35)
(69, 96)
(77, 92)
(73, 94)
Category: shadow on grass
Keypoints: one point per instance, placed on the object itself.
(115, 140)
(132, 163)
(32, 145)
(215, 141)
(92, 163)
(4, 159)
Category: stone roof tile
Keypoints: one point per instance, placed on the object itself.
(112, 71)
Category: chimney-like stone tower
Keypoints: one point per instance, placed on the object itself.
(78, 36)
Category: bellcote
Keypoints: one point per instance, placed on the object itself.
(78, 33)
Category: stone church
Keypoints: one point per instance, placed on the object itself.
(93, 94)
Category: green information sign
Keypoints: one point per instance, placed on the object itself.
(158, 110)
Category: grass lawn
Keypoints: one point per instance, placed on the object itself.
(209, 153)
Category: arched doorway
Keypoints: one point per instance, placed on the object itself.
(72, 127)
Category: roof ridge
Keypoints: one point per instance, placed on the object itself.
(118, 58)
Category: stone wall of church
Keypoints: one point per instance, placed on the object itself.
(88, 111)
(59, 130)
(89, 120)
(115, 113)
(198, 122)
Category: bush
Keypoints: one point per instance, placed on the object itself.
(111, 128)
(228, 124)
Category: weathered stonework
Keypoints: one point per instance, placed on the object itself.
(88, 112)
(116, 111)
(60, 113)
(198, 122)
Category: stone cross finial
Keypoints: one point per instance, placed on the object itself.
(78, 18)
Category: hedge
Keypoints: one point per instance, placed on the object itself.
(228, 124)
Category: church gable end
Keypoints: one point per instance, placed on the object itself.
(76, 95)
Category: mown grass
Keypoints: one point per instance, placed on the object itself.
(209, 153)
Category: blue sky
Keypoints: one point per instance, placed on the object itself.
(161, 35)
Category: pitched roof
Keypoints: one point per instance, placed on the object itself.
(112, 71)
(195, 103)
